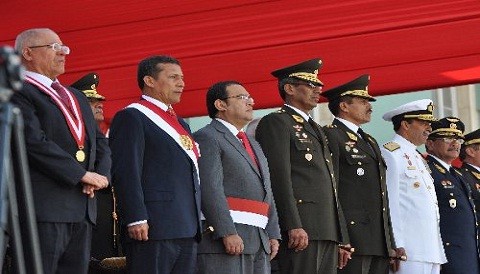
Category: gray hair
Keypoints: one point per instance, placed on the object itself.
(27, 36)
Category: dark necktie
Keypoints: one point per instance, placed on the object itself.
(362, 134)
(243, 137)
(171, 112)
(62, 93)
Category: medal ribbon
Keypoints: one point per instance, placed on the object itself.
(75, 122)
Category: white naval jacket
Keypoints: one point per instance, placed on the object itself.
(413, 202)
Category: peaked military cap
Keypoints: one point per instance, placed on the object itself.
(306, 71)
(447, 127)
(472, 138)
(357, 87)
(88, 85)
(420, 109)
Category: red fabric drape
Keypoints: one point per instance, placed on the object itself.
(405, 45)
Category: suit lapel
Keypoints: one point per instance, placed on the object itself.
(236, 144)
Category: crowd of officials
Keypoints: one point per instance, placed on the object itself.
(295, 198)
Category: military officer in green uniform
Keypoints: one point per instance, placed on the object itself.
(470, 156)
(302, 176)
(362, 189)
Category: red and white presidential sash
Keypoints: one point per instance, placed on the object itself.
(248, 212)
(171, 126)
(73, 118)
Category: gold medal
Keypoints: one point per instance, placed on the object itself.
(80, 155)
(186, 142)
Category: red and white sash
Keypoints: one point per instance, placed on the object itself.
(171, 126)
(248, 212)
(73, 118)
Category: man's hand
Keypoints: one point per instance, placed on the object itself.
(138, 232)
(94, 179)
(400, 255)
(297, 239)
(89, 190)
(344, 254)
(233, 244)
(274, 245)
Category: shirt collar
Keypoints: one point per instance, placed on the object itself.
(445, 165)
(348, 124)
(301, 113)
(229, 126)
(44, 80)
(156, 102)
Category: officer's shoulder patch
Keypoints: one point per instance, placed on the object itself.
(391, 146)
(297, 118)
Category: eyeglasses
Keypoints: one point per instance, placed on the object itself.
(307, 84)
(244, 97)
(451, 140)
(56, 47)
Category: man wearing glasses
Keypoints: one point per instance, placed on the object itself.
(458, 223)
(237, 198)
(69, 157)
(302, 177)
(411, 193)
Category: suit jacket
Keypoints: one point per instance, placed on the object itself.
(413, 203)
(302, 176)
(457, 220)
(54, 171)
(226, 170)
(472, 177)
(154, 178)
(362, 189)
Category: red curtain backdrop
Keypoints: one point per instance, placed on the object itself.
(404, 45)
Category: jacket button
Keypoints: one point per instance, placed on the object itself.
(352, 222)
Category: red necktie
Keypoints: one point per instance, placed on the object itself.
(243, 137)
(62, 92)
(171, 112)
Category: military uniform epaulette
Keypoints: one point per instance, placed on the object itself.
(391, 146)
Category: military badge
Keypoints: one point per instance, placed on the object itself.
(308, 157)
(355, 150)
(297, 118)
(347, 147)
(360, 171)
(416, 185)
(352, 136)
(304, 135)
(453, 203)
(297, 127)
(441, 169)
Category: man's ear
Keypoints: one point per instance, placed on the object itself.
(343, 106)
(288, 89)
(220, 105)
(148, 80)
(27, 54)
(470, 151)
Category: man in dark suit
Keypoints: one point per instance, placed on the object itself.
(470, 156)
(105, 237)
(68, 156)
(155, 174)
(362, 189)
(458, 224)
(237, 198)
(302, 176)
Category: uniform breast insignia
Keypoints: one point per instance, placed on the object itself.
(416, 185)
(409, 162)
(453, 203)
(360, 171)
(439, 168)
(391, 146)
(447, 184)
(298, 119)
(352, 136)
(308, 157)
(476, 174)
(186, 142)
(298, 127)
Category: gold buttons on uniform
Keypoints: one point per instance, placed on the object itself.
(447, 244)
(300, 201)
(352, 222)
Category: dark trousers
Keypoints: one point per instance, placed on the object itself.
(176, 256)
(65, 247)
(366, 265)
(320, 257)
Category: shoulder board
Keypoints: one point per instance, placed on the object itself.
(391, 146)
(297, 118)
